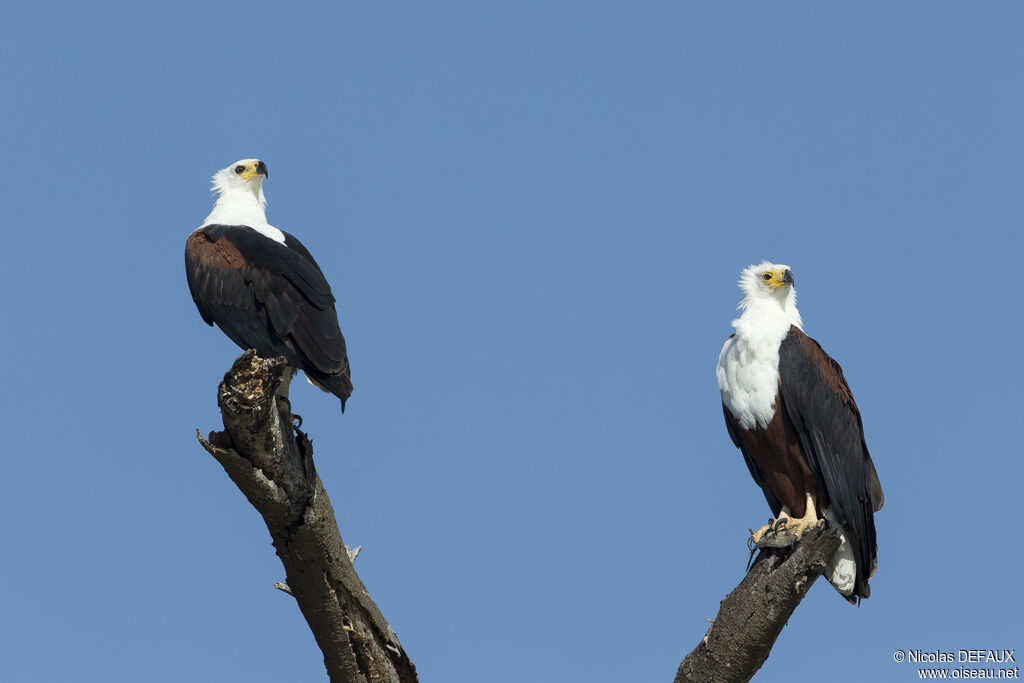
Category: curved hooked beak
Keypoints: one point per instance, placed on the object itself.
(255, 168)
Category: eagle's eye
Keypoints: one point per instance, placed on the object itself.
(767, 277)
(239, 169)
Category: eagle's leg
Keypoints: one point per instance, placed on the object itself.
(284, 405)
(786, 530)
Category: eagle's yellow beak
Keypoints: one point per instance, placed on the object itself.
(253, 169)
(779, 277)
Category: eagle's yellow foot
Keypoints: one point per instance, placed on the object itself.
(762, 537)
(785, 531)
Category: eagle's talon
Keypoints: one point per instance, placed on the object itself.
(758, 538)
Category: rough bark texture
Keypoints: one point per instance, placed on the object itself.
(272, 463)
(751, 618)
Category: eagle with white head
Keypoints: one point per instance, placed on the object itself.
(790, 411)
(261, 286)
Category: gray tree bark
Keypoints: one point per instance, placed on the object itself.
(753, 615)
(271, 462)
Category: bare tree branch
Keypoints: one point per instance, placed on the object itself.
(753, 615)
(272, 464)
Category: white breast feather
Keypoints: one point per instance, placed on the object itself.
(748, 366)
(748, 377)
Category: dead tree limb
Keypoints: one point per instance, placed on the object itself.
(753, 615)
(271, 462)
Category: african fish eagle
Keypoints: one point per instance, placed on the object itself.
(789, 410)
(261, 285)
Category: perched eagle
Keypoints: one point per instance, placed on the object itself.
(261, 286)
(789, 410)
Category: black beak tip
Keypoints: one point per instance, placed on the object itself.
(261, 168)
(787, 277)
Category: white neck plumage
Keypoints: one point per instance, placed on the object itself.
(768, 316)
(240, 206)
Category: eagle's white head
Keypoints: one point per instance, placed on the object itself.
(241, 200)
(768, 291)
(242, 176)
(767, 281)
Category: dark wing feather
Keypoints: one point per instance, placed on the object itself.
(270, 297)
(312, 278)
(821, 407)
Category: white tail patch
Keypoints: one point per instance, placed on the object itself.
(841, 570)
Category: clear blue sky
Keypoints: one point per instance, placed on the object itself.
(533, 215)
